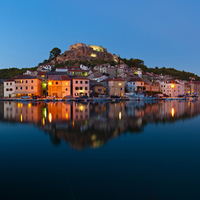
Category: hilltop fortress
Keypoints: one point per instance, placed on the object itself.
(80, 51)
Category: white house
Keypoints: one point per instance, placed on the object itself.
(172, 88)
(9, 87)
(134, 84)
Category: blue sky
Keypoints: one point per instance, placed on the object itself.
(162, 33)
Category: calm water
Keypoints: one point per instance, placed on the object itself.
(100, 151)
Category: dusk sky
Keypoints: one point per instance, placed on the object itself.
(162, 33)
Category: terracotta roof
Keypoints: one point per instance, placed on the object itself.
(24, 77)
(65, 78)
(135, 79)
(116, 79)
(41, 73)
(80, 77)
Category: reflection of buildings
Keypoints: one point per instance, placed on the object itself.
(92, 125)
(80, 112)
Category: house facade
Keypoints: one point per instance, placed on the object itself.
(9, 88)
(116, 86)
(80, 86)
(59, 85)
(27, 86)
(135, 84)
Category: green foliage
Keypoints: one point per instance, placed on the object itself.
(174, 73)
(54, 52)
(8, 73)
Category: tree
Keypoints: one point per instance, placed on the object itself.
(54, 53)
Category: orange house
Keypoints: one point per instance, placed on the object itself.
(59, 85)
(27, 85)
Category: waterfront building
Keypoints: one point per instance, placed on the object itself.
(152, 86)
(9, 87)
(97, 89)
(59, 85)
(135, 84)
(2, 88)
(195, 87)
(172, 88)
(80, 86)
(116, 86)
(187, 88)
(26, 85)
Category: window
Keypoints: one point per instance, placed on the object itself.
(26, 88)
(76, 94)
(21, 88)
(66, 89)
(10, 83)
(81, 88)
(86, 82)
(76, 81)
(7, 84)
(81, 82)
(31, 87)
(76, 88)
(121, 88)
(56, 83)
(31, 81)
(99, 90)
(11, 89)
(7, 89)
(26, 81)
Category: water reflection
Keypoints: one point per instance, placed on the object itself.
(92, 125)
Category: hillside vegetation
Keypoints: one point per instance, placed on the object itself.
(137, 63)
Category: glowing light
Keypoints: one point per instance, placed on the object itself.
(93, 55)
(21, 118)
(73, 123)
(67, 116)
(81, 108)
(172, 86)
(29, 105)
(43, 121)
(120, 115)
(66, 83)
(120, 83)
(21, 105)
(173, 112)
(93, 137)
(50, 83)
(50, 117)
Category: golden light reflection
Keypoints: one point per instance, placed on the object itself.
(29, 105)
(67, 116)
(21, 118)
(43, 121)
(21, 105)
(120, 115)
(50, 117)
(173, 112)
(81, 108)
(73, 123)
(93, 137)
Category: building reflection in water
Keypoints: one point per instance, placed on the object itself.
(93, 124)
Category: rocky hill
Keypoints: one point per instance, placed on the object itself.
(81, 52)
